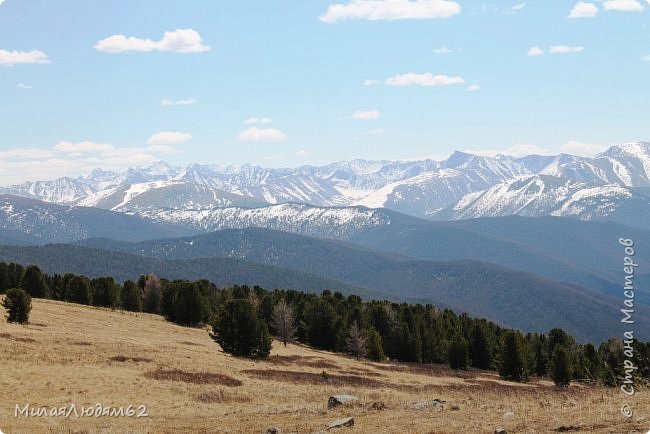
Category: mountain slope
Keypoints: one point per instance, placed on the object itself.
(543, 195)
(41, 222)
(511, 297)
(64, 258)
(582, 187)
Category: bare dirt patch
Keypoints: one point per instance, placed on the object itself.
(121, 358)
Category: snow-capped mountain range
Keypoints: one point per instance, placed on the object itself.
(610, 185)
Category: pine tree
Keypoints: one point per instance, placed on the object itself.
(188, 305)
(18, 305)
(513, 363)
(479, 349)
(374, 349)
(105, 292)
(4, 278)
(131, 299)
(560, 366)
(355, 342)
(15, 275)
(240, 332)
(264, 341)
(283, 320)
(34, 282)
(79, 290)
(458, 352)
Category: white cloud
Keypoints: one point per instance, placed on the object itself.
(162, 149)
(262, 121)
(426, 79)
(367, 115)
(178, 41)
(583, 10)
(563, 49)
(168, 102)
(646, 58)
(25, 154)
(623, 5)
(11, 58)
(585, 149)
(535, 51)
(473, 88)
(262, 134)
(24, 86)
(376, 131)
(390, 10)
(168, 138)
(370, 82)
(2, 1)
(73, 158)
(302, 153)
(82, 147)
(518, 6)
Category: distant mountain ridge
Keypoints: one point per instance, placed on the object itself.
(610, 186)
(278, 259)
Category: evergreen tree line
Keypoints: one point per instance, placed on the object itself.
(244, 318)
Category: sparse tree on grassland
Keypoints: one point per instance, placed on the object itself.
(355, 342)
(284, 321)
(18, 304)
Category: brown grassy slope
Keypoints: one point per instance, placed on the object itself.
(83, 355)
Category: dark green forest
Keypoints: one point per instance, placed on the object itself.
(243, 318)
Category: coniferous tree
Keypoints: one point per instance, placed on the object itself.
(374, 349)
(34, 282)
(240, 332)
(79, 290)
(4, 278)
(479, 349)
(513, 363)
(320, 323)
(264, 341)
(18, 305)
(458, 352)
(105, 292)
(188, 305)
(14, 275)
(560, 368)
(131, 299)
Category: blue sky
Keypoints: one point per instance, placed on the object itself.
(284, 83)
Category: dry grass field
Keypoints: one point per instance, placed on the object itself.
(71, 354)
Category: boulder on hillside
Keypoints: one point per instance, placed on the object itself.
(348, 421)
(336, 400)
(434, 403)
